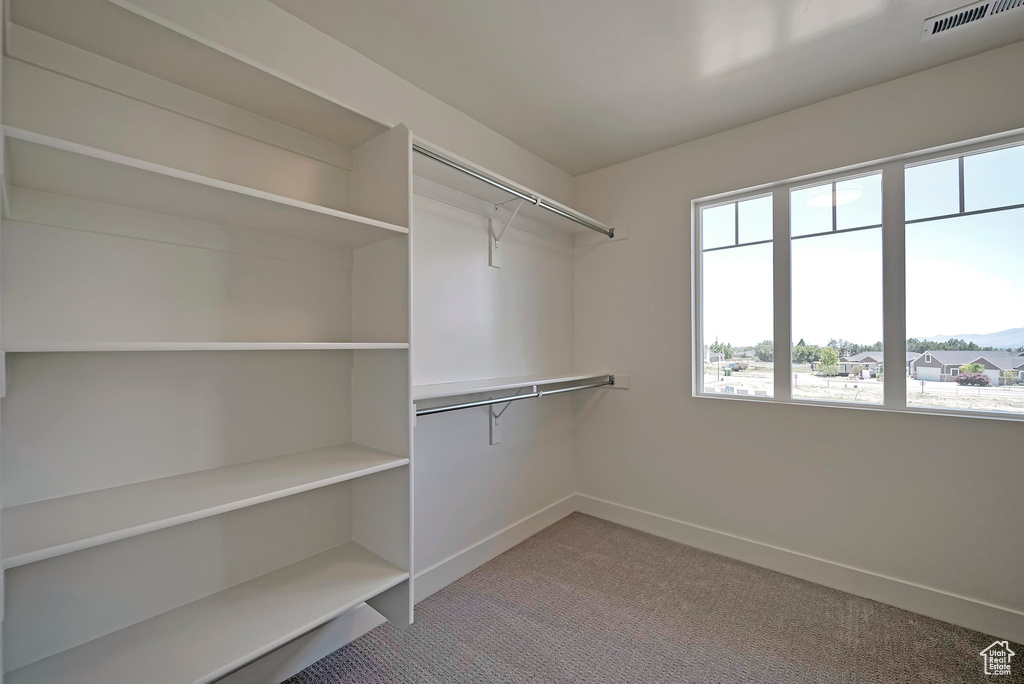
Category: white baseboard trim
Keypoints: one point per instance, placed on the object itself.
(999, 621)
(440, 575)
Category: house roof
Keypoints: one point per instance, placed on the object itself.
(952, 358)
(875, 357)
(1003, 360)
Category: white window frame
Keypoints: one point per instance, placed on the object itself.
(893, 273)
(953, 372)
(698, 253)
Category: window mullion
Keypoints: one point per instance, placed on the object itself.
(894, 286)
(960, 172)
(736, 222)
(835, 213)
(782, 298)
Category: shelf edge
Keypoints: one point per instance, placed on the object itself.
(170, 172)
(173, 521)
(200, 346)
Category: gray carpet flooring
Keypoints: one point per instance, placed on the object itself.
(589, 601)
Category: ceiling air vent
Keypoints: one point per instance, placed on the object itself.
(968, 14)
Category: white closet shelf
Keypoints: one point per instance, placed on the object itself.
(40, 162)
(127, 33)
(45, 529)
(197, 346)
(206, 639)
(454, 389)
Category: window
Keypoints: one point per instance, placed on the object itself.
(736, 263)
(798, 285)
(836, 289)
(964, 284)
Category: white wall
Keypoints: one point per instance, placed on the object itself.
(472, 321)
(934, 501)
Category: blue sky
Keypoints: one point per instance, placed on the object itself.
(964, 274)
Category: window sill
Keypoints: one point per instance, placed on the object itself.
(917, 410)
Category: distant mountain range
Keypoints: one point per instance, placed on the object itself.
(1004, 339)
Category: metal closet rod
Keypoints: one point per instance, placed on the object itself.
(536, 393)
(532, 199)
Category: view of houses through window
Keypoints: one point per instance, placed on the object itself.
(836, 242)
(737, 267)
(964, 288)
(965, 284)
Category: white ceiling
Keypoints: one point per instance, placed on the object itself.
(587, 83)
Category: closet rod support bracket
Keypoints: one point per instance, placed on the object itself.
(494, 255)
(495, 428)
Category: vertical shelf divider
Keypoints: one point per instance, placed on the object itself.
(382, 382)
